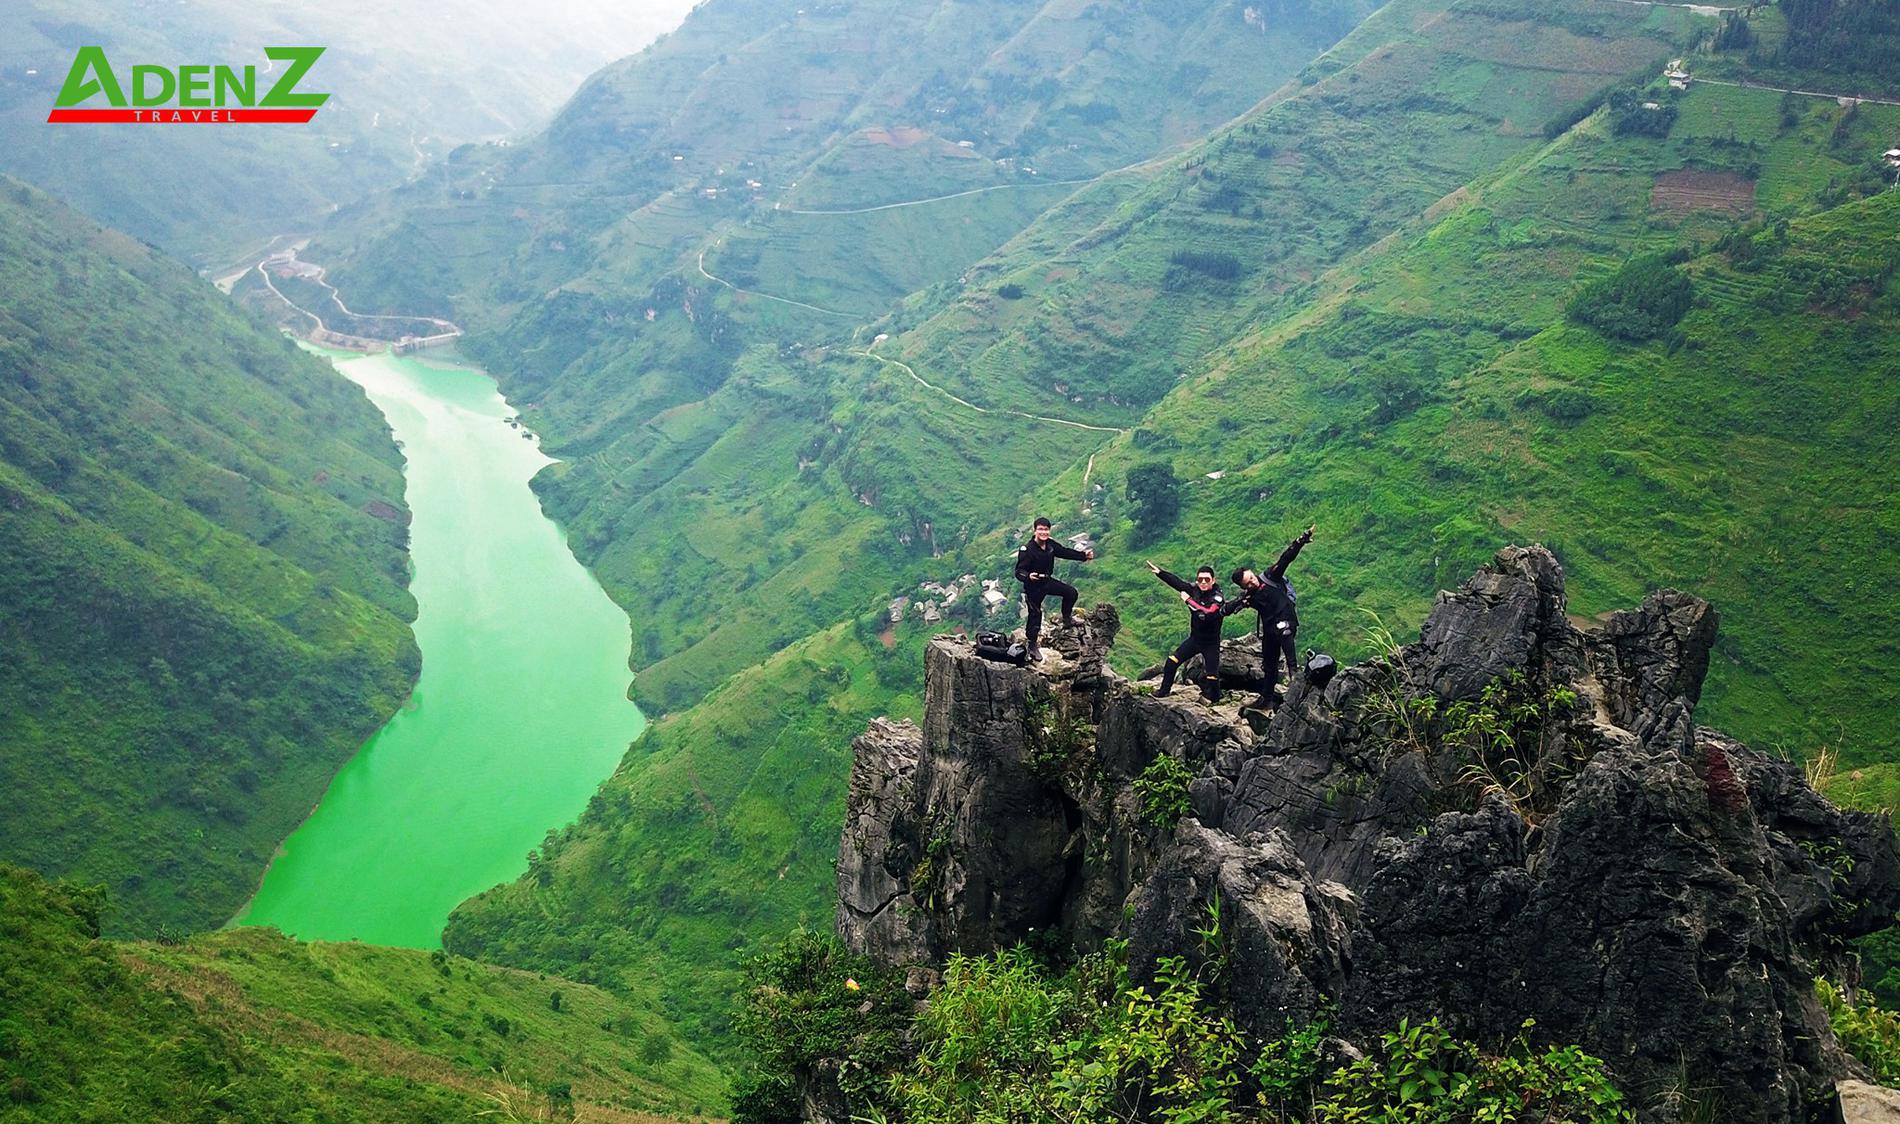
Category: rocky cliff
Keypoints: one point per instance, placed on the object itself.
(1511, 818)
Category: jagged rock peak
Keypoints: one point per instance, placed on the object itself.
(1511, 818)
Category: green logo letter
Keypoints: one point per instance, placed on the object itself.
(300, 59)
(194, 86)
(166, 84)
(78, 87)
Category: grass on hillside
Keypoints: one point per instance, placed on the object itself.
(1444, 407)
(250, 1025)
(202, 573)
(1422, 397)
(444, 1020)
(1414, 103)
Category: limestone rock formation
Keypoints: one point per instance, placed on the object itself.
(1511, 818)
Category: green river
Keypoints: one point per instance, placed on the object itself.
(521, 710)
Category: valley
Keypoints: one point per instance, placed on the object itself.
(791, 322)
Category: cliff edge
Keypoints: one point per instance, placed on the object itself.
(1512, 818)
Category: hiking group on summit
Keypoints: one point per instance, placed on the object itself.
(1267, 592)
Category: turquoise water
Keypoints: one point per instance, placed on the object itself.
(521, 710)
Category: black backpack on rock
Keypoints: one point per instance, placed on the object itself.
(1320, 669)
(994, 646)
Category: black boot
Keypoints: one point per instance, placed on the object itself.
(1167, 679)
(1210, 688)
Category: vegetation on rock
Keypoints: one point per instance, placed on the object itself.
(1006, 1039)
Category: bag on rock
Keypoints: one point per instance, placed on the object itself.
(1002, 651)
(1319, 669)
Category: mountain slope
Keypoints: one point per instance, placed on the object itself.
(1396, 360)
(582, 264)
(249, 1025)
(816, 106)
(204, 608)
(1438, 397)
(1418, 101)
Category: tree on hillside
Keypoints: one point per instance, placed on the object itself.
(1640, 301)
(1631, 115)
(1734, 34)
(1860, 38)
(1155, 496)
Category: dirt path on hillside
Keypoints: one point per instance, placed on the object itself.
(1787, 90)
(921, 381)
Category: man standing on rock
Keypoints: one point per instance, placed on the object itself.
(1269, 595)
(1206, 609)
(1036, 569)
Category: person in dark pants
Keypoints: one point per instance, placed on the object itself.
(1036, 569)
(1268, 594)
(1206, 609)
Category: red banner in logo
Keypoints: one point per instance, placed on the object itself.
(167, 115)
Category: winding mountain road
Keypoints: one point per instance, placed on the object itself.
(1788, 90)
(923, 382)
(943, 198)
(765, 296)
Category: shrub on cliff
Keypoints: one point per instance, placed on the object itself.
(1003, 1040)
(809, 1000)
(1163, 789)
(1865, 1031)
(1421, 1074)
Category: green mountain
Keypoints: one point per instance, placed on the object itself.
(775, 554)
(202, 574)
(1468, 387)
(1405, 296)
(248, 1025)
(560, 247)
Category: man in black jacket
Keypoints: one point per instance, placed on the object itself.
(1206, 609)
(1269, 595)
(1036, 569)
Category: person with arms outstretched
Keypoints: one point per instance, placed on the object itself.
(1270, 595)
(1036, 569)
(1206, 610)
